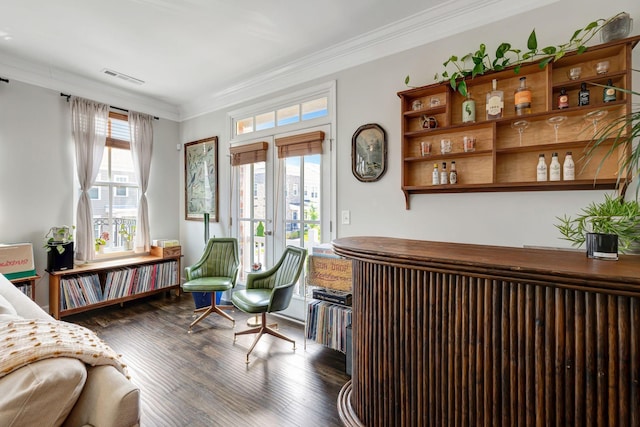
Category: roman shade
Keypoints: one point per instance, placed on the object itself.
(300, 145)
(249, 153)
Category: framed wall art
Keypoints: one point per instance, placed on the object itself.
(201, 179)
(369, 153)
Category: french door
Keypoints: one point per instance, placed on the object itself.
(283, 200)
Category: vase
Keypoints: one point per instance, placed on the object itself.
(128, 245)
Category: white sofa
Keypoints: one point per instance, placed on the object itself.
(60, 390)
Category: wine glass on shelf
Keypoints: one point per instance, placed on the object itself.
(594, 117)
(520, 126)
(556, 121)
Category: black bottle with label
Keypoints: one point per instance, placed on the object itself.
(583, 95)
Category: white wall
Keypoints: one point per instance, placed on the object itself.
(37, 171)
(367, 94)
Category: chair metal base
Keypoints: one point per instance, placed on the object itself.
(212, 309)
(261, 330)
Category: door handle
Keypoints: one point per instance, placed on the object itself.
(268, 233)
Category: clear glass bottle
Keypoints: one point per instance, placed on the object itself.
(453, 174)
(435, 175)
(563, 99)
(609, 92)
(443, 173)
(522, 98)
(554, 168)
(541, 169)
(569, 168)
(495, 101)
(469, 109)
(583, 95)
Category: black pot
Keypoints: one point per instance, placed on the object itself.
(60, 261)
(602, 246)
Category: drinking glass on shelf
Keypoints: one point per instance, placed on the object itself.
(445, 146)
(602, 67)
(574, 73)
(556, 121)
(594, 117)
(425, 148)
(520, 126)
(469, 143)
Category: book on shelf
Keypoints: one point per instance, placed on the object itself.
(333, 295)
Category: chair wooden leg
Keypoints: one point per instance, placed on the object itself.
(261, 330)
(213, 308)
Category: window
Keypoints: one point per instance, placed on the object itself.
(305, 110)
(114, 195)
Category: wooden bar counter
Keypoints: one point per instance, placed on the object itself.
(472, 335)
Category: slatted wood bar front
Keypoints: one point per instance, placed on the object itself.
(472, 335)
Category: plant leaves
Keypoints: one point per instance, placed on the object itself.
(478, 69)
(573, 37)
(462, 88)
(532, 42)
(549, 50)
(581, 49)
(504, 47)
(452, 82)
(591, 26)
(544, 62)
(406, 80)
(517, 69)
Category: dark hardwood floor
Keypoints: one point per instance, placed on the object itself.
(201, 379)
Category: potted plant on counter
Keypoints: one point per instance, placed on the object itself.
(606, 227)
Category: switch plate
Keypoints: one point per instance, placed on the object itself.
(346, 217)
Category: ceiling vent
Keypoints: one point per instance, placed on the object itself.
(122, 76)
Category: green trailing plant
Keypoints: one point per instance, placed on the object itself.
(613, 216)
(127, 234)
(58, 237)
(480, 62)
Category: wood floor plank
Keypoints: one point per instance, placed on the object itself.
(201, 379)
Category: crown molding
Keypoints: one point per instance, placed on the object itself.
(51, 78)
(422, 28)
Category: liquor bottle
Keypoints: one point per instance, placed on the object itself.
(435, 176)
(495, 102)
(443, 173)
(453, 174)
(569, 168)
(522, 98)
(554, 168)
(469, 110)
(563, 99)
(541, 169)
(583, 95)
(609, 92)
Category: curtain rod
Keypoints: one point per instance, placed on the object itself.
(110, 106)
(4, 80)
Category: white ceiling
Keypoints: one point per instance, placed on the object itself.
(196, 56)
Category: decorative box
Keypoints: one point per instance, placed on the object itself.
(170, 252)
(16, 260)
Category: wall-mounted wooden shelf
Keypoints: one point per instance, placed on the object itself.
(503, 162)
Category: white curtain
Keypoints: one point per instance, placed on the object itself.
(89, 129)
(141, 128)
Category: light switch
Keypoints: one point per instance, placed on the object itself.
(346, 217)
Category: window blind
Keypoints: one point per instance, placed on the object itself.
(300, 145)
(249, 153)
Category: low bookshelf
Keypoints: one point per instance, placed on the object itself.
(103, 283)
(329, 305)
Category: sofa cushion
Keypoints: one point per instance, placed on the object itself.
(41, 393)
(6, 307)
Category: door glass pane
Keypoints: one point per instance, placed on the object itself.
(244, 126)
(252, 217)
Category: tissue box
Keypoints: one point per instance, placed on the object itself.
(16, 260)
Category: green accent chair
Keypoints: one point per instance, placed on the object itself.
(216, 271)
(270, 291)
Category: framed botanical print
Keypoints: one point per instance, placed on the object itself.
(201, 179)
(369, 153)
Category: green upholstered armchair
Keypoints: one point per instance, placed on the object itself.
(270, 291)
(217, 270)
